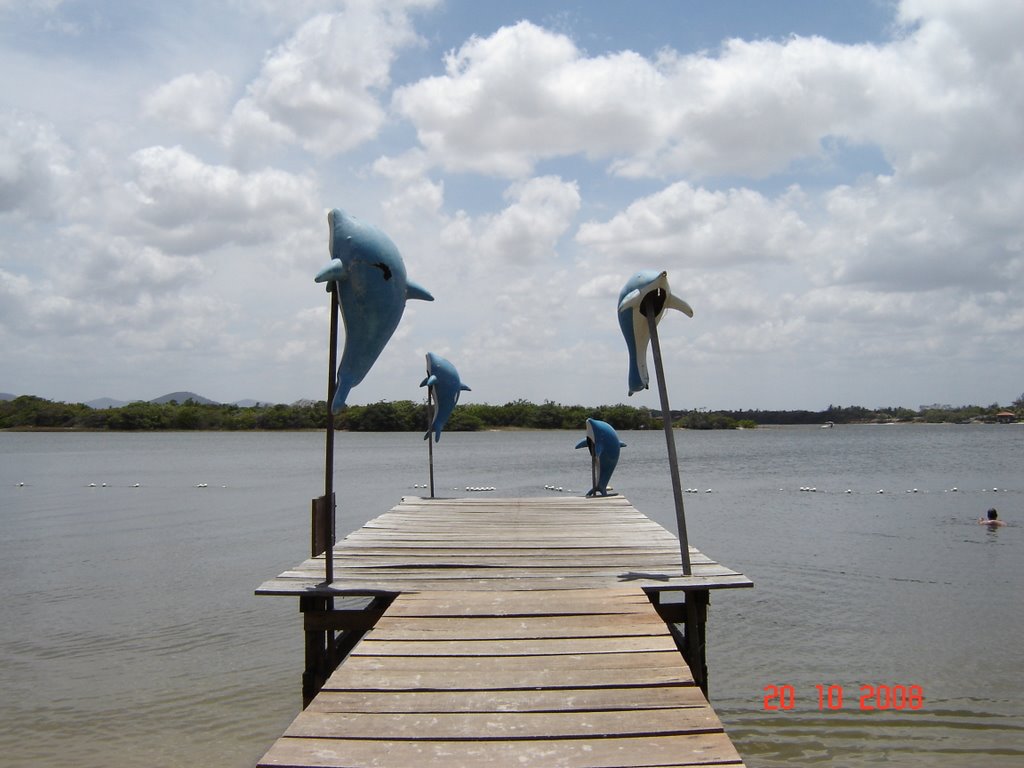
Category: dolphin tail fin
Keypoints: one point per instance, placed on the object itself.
(414, 291)
(340, 395)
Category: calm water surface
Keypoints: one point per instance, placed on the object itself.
(130, 636)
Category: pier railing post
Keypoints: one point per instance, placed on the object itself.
(695, 641)
(648, 309)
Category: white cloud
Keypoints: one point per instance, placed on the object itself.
(697, 228)
(33, 166)
(195, 103)
(321, 88)
(525, 94)
(167, 218)
(188, 206)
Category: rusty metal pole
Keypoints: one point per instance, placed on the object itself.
(332, 384)
(430, 436)
(649, 311)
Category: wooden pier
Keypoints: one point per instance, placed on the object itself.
(552, 631)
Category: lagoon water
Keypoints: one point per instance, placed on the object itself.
(130, 635)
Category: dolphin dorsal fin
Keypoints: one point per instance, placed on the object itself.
(414, 291)
(464, 388)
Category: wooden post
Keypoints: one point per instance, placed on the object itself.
(695, 642)
(687, 621)
(649, 309)
(317, 645)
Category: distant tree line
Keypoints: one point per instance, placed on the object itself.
(30, 412)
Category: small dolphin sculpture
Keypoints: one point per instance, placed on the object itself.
(369, 275)
(604, 444)
(445, 381)
(633, 322)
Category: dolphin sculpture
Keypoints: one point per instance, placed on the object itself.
(367, 271)
(604, 445)
(633, 322)
(445, 381)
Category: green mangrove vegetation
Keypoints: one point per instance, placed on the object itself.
(30, 412)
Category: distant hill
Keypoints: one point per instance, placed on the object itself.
(7, 396)
(251, 403)
(103, 403)
(181, 397)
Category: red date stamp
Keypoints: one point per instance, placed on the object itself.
(832, 697)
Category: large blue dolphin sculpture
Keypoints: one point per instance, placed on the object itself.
(604, 446)
(634, 324)
(445, 381)
(368, 272)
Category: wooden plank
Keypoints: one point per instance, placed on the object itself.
(511, 627)
(545, 650)
(674, 750)
(554, 678)
(499, 699)
(301, 585)
(527, 647)
(434, 726)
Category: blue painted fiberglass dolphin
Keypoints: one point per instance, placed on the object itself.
(368, 271)
(445, 381)
(634, 324)
(604, 445)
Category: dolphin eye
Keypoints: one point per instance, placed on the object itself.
(384, 268)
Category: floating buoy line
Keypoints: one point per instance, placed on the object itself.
(562, 489)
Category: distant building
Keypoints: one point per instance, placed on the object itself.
(1006, 417)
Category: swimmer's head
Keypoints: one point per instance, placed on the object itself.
(992, 514)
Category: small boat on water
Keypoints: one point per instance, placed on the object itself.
(828, 425)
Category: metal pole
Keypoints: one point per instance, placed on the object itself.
(430, 436)
(332, 384)
(593, 465)
(650, 313)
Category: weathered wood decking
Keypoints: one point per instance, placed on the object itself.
(505, 544)
(521, 632)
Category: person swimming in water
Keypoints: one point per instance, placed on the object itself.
(992, 519)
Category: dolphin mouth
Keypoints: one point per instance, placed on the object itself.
(653, 302)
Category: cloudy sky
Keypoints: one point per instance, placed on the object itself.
(836, 188)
